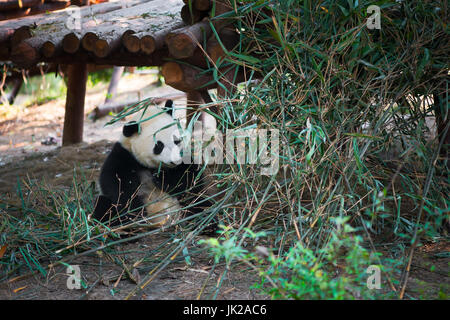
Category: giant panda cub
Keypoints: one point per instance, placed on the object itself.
(143, 177)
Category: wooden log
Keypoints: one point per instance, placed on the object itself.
(109, 43)
(229, 39)
(201, 5)
(4, 52)
(88, 41)
(192, 15)
(7, 28)
(21, 34)
(13, 14)
(5, 34)
(187, 78)
(61, 16)
(150, 42)
(107, 37)
(46, 7)
(183, 77)
(131, 42)
(26, 53)
(183, 42)
(218, 8)
(120, 58)
(29, 51)
(16, 4)
(74, 115)
(71, 42)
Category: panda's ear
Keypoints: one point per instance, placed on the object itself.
(168, 107)
(130, 128)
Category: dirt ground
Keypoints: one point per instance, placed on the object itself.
(23, 156)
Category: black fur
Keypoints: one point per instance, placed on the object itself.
(158, 148)
(130, 128)
(120, 179)
(169, 107)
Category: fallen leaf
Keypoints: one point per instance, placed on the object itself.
(18, 289)
(3, 250)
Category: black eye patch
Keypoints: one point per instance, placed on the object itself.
(177, 142)
(159, 146)
(130, 128)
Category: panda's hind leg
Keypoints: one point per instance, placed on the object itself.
(162, 210)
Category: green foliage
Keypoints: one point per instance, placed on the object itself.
(336, 271)
(44, 88)
(53, 220)
(100, 76)
(350, 103)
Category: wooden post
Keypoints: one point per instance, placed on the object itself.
(76, 91)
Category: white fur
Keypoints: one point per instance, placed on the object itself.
(141, 144)
(165, 208)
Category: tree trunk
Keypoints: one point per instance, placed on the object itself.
(15, 90)
(114, 83)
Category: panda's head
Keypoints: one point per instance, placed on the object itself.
(154, 141)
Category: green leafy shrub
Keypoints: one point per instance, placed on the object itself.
(337, 271)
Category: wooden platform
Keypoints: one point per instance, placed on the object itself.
(178, 35)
